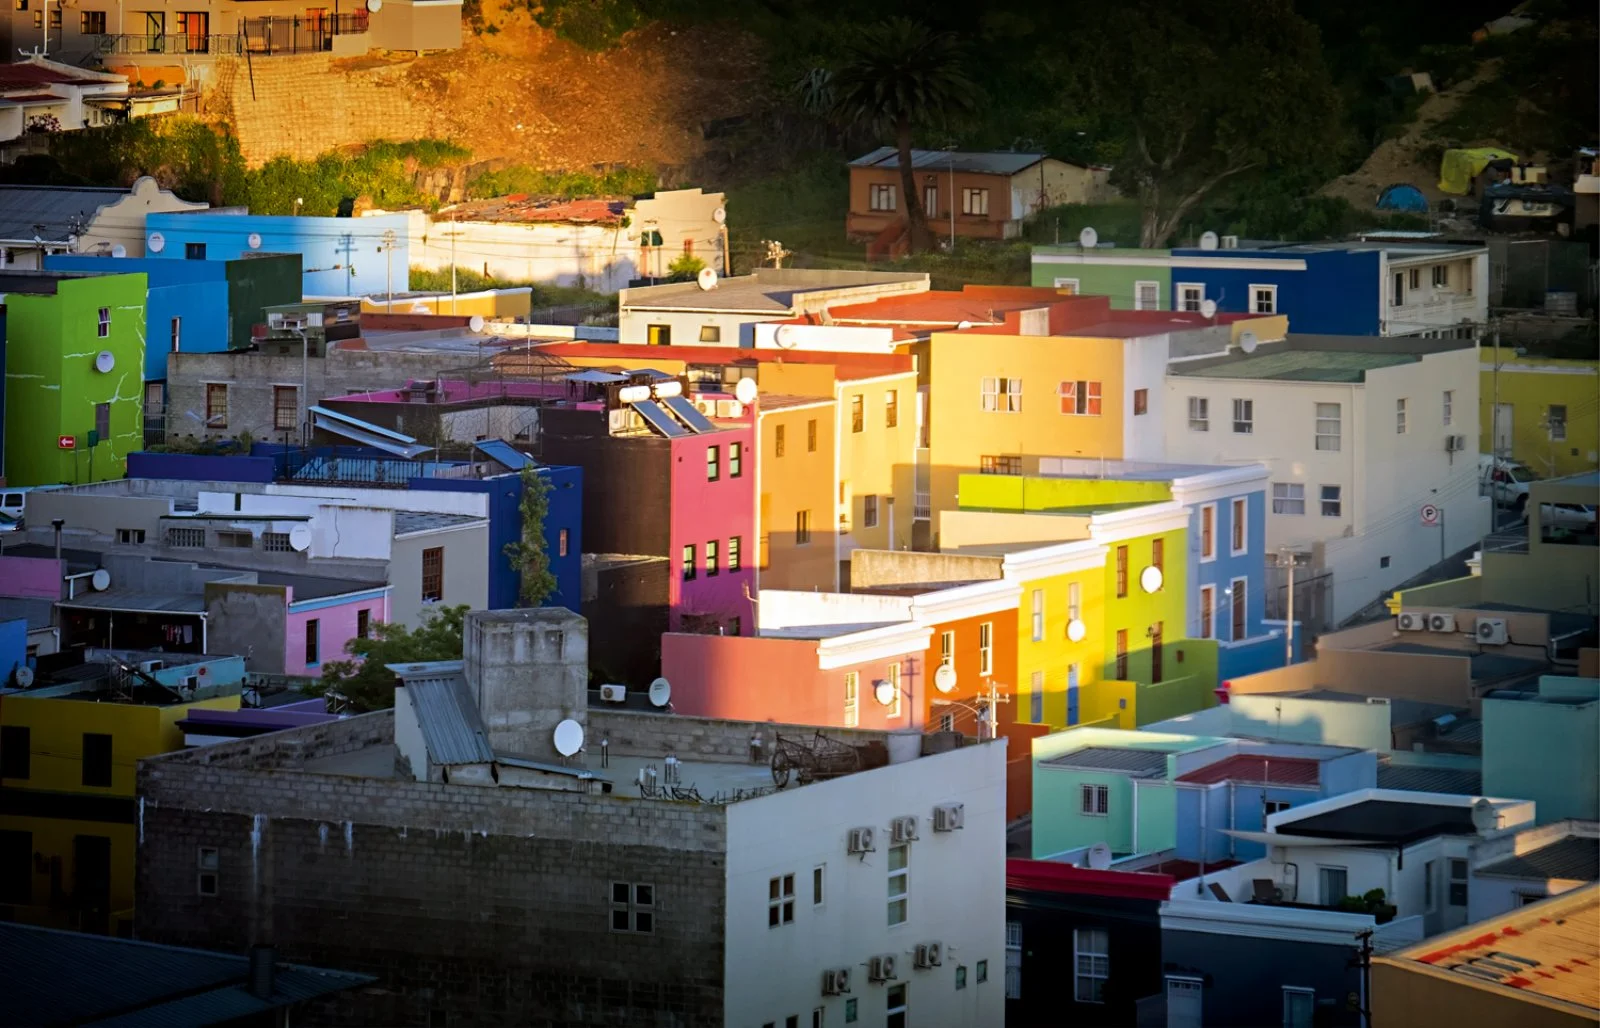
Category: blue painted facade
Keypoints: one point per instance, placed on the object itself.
(339, 256)
(13, 647)
(1259, 647)
(187, 302)
(1339, 292)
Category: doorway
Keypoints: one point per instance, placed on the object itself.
(91, 881)
(1503, 420)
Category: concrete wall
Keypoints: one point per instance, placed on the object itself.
(338, 620)
(876, 568)
(530, 669)
(1544, 752)
(249, 620)
(466, 578)
(1244, 977)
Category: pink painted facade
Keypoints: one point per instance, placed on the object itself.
(32, 578)
(769, 679)
(337, 621)
(716, 513)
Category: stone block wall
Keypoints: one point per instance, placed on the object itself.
(641, 733)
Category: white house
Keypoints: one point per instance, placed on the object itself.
(39, 220)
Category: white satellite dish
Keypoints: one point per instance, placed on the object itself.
(1208, 240)
(104, 361)
(660, 692)
(254, 240)
(944, 679)
(374, 5)
(1208, 308)
(883, 691)
(1076, 630)
(156, 243)
(707, 278)
(1485, 818)
(1098, 857)
(783, 337)
(963, 326)
(100, 581)
(720, 215)
(745, 392)
(119, 250)
(1088, 238)
(568, 737)
(23, 676)
(1248, 342)
(1150, 579)
(300, 538)
(475, 323)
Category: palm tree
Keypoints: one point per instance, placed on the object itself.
(899, 75)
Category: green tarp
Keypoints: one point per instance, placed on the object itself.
(1460, 167)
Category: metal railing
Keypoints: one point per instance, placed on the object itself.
(296, 35)
(169, 43)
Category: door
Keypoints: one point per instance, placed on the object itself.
(1072, 694)
(1157, 630)
(196, 29)
(1240, 599)
(1183, 1002)
(155, 31)
(930, 201)
(91, 881)
(1502, 429)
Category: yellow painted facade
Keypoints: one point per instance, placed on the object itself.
(1528, 388)
(515, 302)
(794, 476)
(1047, 656)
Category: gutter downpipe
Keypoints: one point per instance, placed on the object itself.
(1205, 796)
(1135, 834)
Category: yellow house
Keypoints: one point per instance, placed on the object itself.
(504, 304)
(1548, 414)
(69, 820)
(794, 483)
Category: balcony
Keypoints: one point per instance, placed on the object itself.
(169, 43)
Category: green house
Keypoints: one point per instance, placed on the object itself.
(74, 375)
(1133, 279)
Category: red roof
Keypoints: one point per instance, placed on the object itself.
(1048, 876)
(27, 75)
(947, 307)
(29, 98)
(520, 207)
(1257, 771)
(847, 366)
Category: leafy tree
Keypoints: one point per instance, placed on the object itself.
(364, 680)
(528, 556)
(1200, 93)
(900, 75)
(685, 266)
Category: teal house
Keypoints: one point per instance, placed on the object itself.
(1540, 746)
(1135, 280)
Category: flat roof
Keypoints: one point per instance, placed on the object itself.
(975, 162)
(826, 631)
(1384, 821)
(1137, 763)
(1258, 770)
(406, 522)
(1574, 858)
(1302, 366)
(1484, 666)
(1421, 778)
(766, 291)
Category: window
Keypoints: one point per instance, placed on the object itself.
(1383, 562)
(1400, 416)
(975, 201)
(1288, 498)
(177, 333)
(802, 527)
(891, 408)
(1556, 421)
(1398, 297)
(1147, 296)
(780, 901)
(1241, 521)
(216, 405)
(1208, 532)
(1449, 406)
(102, 421)
(1122, 655)
(103, 326)
(1430, 887)
(896, 1006)
(633, 908)
(869, 511)
(1239, 606)
(1414, 278)
(690, 562)
(364, 623)
(1095, 799)
(1122, 572)
(811, 436)
(563, 542)
(130, 536)
(712, 558)
(96, 759)
(235, 540)
(188, 538)
(1208, 606)
(194, 251)
(850, 1011)
(893, 678)
(206, 862)
(1074, 602)
(1002, 464)
(433, 574)
(155, 399)
(1038, 615)
(16, 754)
(899, 873)
(1141, 402)
(818, 879)
(1184, 1001)
(881, 196)
(1458, 883)
(1091, 948)
(711, 333)
(1328, 424)
(1441, 276)
(713, 463)
(1190, 295)
(1332, 506)
(1080, 397)
(276, 542)
(986, 648)
(313, 634)
(1158, 555)
(1299, 1007)
(1013, 962)
(1199, 414)
(735, 460)
(735, 551)
(858, 412)
(1003, 395)
(1270, 807)
(777, 440)
(1036, 698)
(1264, 299)
(961, 979)
(285, 407)
(1244, 416)
(91, 23)
(1157, 630)
(658, 335)
(852, 699)
(983, 971)
(947, 648)
(1334, 883)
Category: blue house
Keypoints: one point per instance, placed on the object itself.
(340, 256)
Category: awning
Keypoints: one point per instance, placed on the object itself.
(366, 433)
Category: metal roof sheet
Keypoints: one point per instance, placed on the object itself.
(1257, 770)
(1302, 366)
(1410, 778)
(1575, 858)
(505, 453)
(132, 599)
(451, 726)
(407, 521)
(1143, 763)
(973, 162)
(51, 213)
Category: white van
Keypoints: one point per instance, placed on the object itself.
(13, 499)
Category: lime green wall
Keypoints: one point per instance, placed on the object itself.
(1191, 687)
(53, 386)
(1032, 493)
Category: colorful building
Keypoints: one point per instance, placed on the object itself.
(1133, 279)
(1540, 411)
(339, 256)
(795, 490)
(74, 375)
(72, 742)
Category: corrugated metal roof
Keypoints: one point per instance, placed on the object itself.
(1460, 781)
(1140, 763)
(451, 726)
(51, 213)
(131, 599)
(505, 453)
(974, 162)
(1575, 858)
(1257, 770)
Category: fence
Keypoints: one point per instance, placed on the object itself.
(1313, 598)
(297, 35)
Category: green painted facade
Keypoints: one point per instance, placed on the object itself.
(255, 282)
(1107, 272)
(1544, 750)
(53, 387)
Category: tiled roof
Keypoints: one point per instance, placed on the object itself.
(1140, 763)
(973, 162)
(947, 307)
(1575, 858)
(1257, 770)
(1411, 778)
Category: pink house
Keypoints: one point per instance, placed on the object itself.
(711, 536)
(316, 631)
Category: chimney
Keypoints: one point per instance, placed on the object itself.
(57, 524)
(263, 961)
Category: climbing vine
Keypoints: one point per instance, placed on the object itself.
(529, 556)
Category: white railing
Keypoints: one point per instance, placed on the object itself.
(922, 508)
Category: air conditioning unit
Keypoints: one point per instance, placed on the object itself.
(614, 693)
(1411, 621)
(618, 420)
(730, 409)
(929, 954)
(1441, 622)
(706, 407)
(836, 982)
(1492, 631)
(947, 817)
(861, 840)
(903, 829)
(1230, 242)
(1455, 443)
(881, 968)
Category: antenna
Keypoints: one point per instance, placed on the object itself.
(568, 737)
(707, 279)
(104, 361)
(1208, 308)
(1088, 238)
(1208, 240)
(745, 392)
(300, 538)
(944, 679)
(660, 692)
(475, 323)
(254, 240)
(1248, 341)
(119, 250)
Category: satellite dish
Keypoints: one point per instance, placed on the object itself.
(568, 737)
(100, 581)
(964, 325)
(883, 691)
(632, 234)
(707, 278)
(374, 5)
(1076, 630)
(104, 361)
(1088, 238)
(1150, 579)
(745, 392)
(23, 676)
(300, 538)
(783, 337)
(720, 215)
(254, 240)
(156, 243)
(475, 323)
(1208, 308)
(944, 679)
(660, 692)
(1098, 857)
(1484, 817)
(1208, 240)
(119, 250)
(1248, 342)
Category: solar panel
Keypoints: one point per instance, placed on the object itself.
(657, 419)
(689, 414)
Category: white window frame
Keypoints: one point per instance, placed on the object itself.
(1094, 800)
(1208, 613)
(1013, 960)
(893, 678)
(1000, 395)
(1199, 413)
(176, 327)
(986, 648)
(1180, 292)
(1323, 421)
(1257, 288)
(1284, 496)
(1076, 285)
(1038, 615)
(1441, 276)
(975, 201)
(1551, 424)
(1449, 406)
(883, 189)
(1206, 556)
(1239, 515)
(1098, 972)
(1139, 288)
(1249, 410)
(780, 900)
(1185, 983)
(1296, 990)
(1074, 602)
(869, 510)
(103, 323)
(852, 699)
(947, 648)
(900, 876)
(1400, 416)
(1337, 501)
(1320, 889)
(1414, 279)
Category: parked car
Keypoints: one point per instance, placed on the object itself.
(1576, 516)
(1505, 480)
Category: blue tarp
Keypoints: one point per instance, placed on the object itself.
(1403, 197)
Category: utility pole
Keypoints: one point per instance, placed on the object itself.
(453, 233)
(1286, 559)
(388, 256)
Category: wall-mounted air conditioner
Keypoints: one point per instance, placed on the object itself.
(1492, 631)
(614, 693)
(1411, 621)
(948, 817)
(1441, 622)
